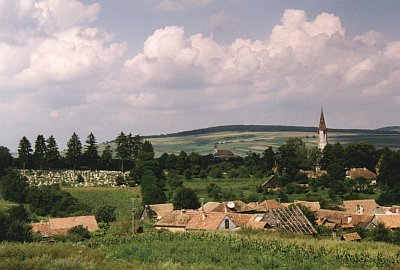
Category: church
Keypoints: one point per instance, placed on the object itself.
(322, 132)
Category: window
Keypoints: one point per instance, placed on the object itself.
(226, 223)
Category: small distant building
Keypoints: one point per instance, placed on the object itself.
(62, 225)
(314, 174)
(355, 173)
(367, 207)
(270, 183)
(156, 211)
(176, 221)
(354, 236)
(322, 132)
(390, 221)
(290, 219)
(211, 221)
(223, 154)
(265, 205)
(313, 206)
(232, 207)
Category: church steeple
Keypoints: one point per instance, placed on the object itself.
(322, 132)
(322, 125)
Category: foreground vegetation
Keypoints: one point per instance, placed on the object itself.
(164, 250)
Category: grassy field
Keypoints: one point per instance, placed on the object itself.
(100, 196)
(163, 250)
(245, 186)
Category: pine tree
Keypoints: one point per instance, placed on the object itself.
(52, 153)
(24, 151)
(122, 148)
(91, 152)
(74, 151)
(106, 157)
(39, 154)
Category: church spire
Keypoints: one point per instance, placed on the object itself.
(322, 132)
(322, 125)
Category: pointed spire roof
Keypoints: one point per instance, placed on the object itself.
(322, 125)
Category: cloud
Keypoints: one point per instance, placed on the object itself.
(180, 5)
(222, 19)
(72, 75)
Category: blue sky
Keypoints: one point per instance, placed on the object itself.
(160, 66)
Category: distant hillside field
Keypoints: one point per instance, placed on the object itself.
(241, 143)
(243, 139)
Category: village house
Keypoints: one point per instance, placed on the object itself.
(176, 221)
(223, 154)
(232, 207)
(211, 221)
(368, 207)
(62, 225)
(265, 205)
(313, 206)
(368, 175)
(354, 236)
(271, 183)
(156, 211)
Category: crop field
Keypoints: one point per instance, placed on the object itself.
(200, 251)
(241, 143)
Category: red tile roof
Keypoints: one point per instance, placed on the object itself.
(355, 173)
(63, 225)
(354, 236)
(177, 218)
(360, 206)
(206, 221)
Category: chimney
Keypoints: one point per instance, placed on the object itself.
(183, 211)
(360, 209)
(349, 219)
(225, 209)
(203, 216)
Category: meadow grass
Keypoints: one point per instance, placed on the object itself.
(245, 186)
(119, 197)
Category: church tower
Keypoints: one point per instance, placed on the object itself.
(322, 132)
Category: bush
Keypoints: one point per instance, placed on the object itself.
(185, 198)
(80, 231)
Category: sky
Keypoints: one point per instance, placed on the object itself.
(161, 66)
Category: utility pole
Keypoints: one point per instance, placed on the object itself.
(133, 215)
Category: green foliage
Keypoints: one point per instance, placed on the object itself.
(14, 187)
(14, 225)
(282, 196)
(24, 152)
(292, 156)
(74, 151)
(360, 155)
(5, 160)
(106, 214)
(389, 168)
(185, 198)
(214, 191)
(51, 200)
(152, 192)
(80, 231)
(52, 154)
(91, 151)
(39, 155)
